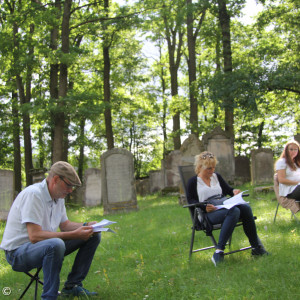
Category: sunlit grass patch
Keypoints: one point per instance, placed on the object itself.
(147, 258)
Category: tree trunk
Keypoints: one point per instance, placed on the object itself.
(25, 115)
(81, 148)
(54, 69)
(224, 19)
(59, 119)
(175, 53)
(260, 134)
(106, 87)
(191, 39)
(16, 142)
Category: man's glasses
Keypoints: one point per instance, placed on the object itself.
(207, 155)
(70, 186)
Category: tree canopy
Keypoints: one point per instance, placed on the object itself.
(77, 79)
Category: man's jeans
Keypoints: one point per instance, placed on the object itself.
(50, 255)
(229, 218)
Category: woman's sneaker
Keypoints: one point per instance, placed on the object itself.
(217, 258)
(259, 251)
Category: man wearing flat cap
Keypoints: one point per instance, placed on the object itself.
(31, 238)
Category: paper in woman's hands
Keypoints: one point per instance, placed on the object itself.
(101, 226)
(233, 201)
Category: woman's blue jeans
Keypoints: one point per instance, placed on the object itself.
(228, 218)
(49, 254)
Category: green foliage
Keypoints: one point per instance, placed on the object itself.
(264, 83)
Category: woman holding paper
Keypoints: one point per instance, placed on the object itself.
(288, 174)
(207, 184)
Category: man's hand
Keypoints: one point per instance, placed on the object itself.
(84, 232)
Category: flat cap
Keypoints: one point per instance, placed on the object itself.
(64, 169)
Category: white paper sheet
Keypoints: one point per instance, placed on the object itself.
(233, 201)
(101, 226)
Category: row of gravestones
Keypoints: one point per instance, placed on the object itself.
(115, 186)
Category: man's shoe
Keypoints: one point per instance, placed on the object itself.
(217, 258)
(76, 291)
(259, 251)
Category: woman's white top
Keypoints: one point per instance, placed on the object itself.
(285, 189)
(204, 191)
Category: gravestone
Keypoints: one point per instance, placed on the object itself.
(38, 175)
(117, 178)
(142, 186)
(170, 168)
(7, 192)
(156, 181)
(262, 166)
(92, 187)
(220, 144)
(190, 147)
(242, 170)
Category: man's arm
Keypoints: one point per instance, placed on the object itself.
(69, 231)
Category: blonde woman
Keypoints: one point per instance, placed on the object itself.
(206, 184)
(288, 174)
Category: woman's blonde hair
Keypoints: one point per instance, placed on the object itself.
(204, 160)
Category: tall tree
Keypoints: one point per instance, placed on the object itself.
(192, 34)
(107, 40)
(60, 117)
(224, 19)
(173, 17)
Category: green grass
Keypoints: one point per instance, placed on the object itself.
(148, 256)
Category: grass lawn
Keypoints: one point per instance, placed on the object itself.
(147, 258)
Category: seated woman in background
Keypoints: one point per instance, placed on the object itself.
(288, 174)
(206, 184)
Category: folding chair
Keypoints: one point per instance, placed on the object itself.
(34, 278)
(276, 190)
(197, 215)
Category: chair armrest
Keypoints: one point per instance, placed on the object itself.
(194, 205)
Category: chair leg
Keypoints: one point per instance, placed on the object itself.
(276, 212)
(192, 242)
(297, 220)
(37, 280)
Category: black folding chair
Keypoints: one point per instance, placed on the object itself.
(276, 190)
(199, 221)
(34, 278)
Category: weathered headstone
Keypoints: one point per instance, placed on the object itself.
(170, 168)
(220, 144)
(156, 181)
(117, 177)
(92, 187)
(242, 170)
(142, 186)
(7, 192)
(38, 175)
(190, 147)
(262, 166)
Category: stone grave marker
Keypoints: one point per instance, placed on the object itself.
(242, 170)
(221, 145)
(92, 187)
(7, 192)
(262, 166)
(156, 181)
(117, 178)
(170, 168)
